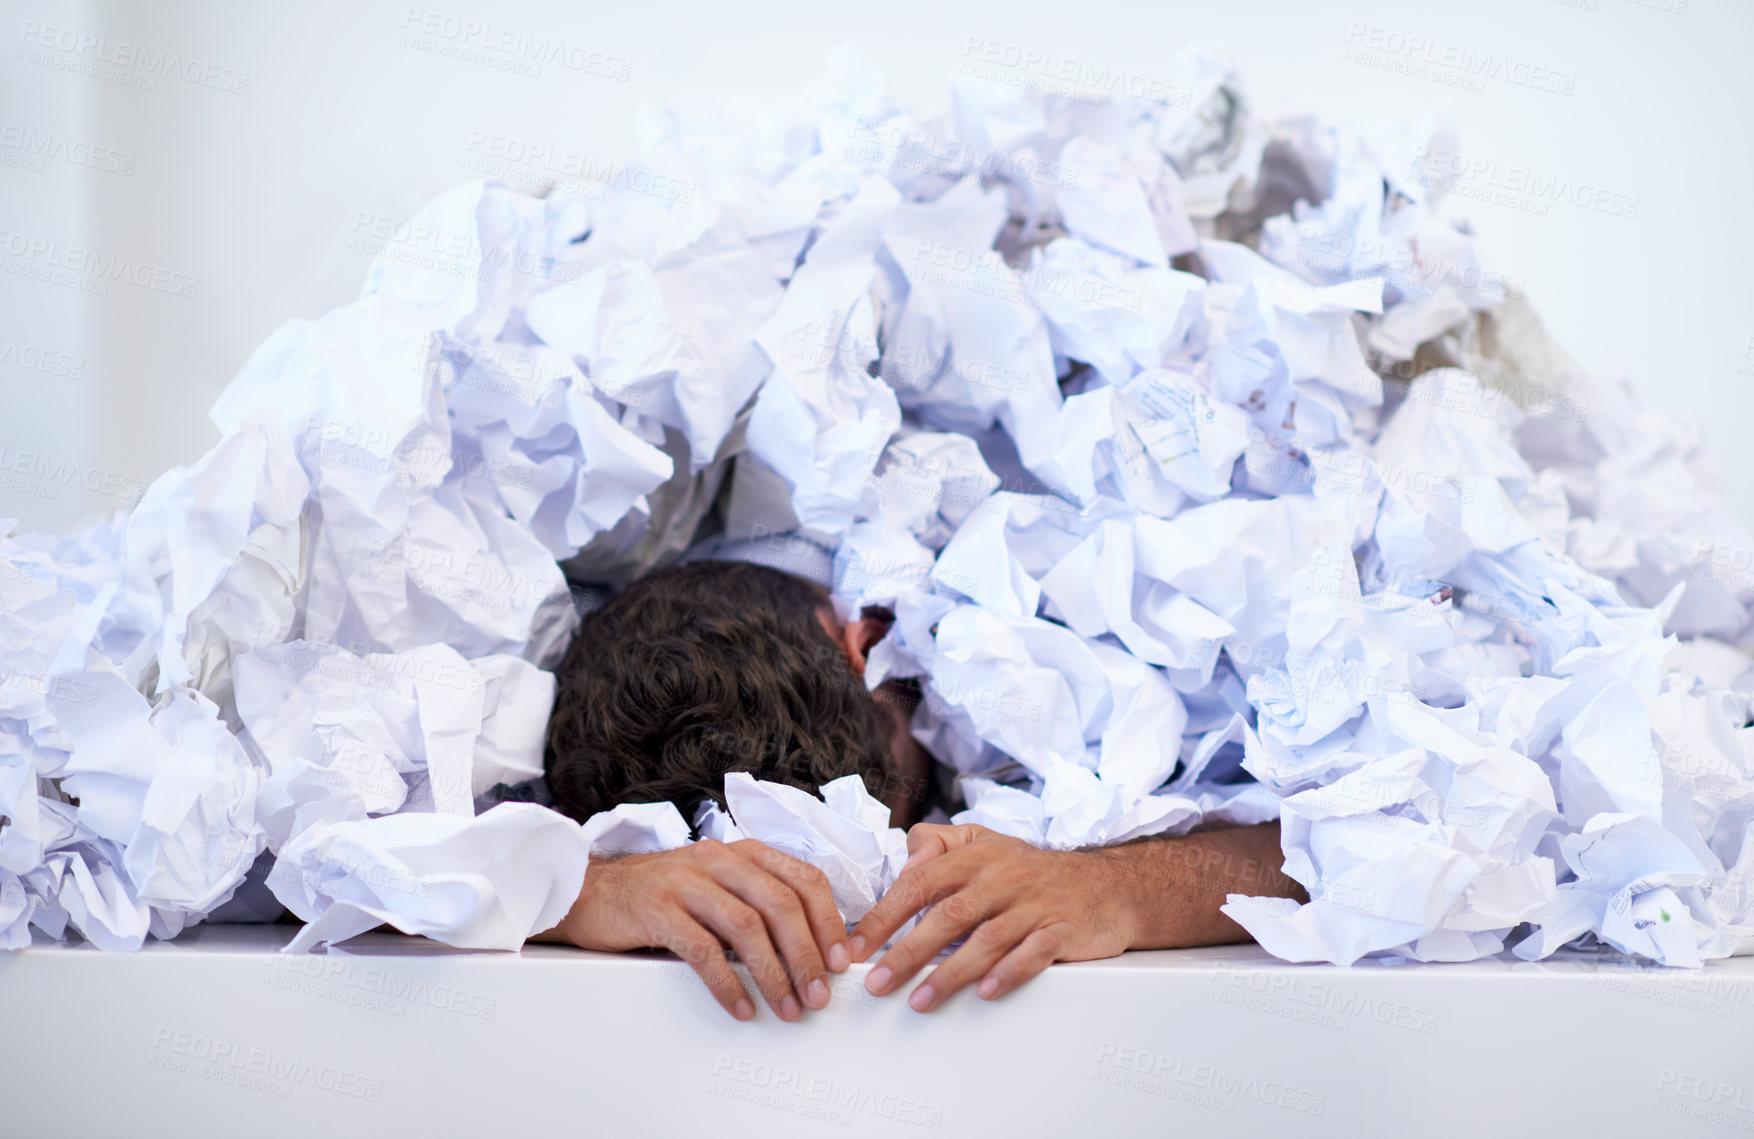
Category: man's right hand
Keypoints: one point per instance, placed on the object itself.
(775, 911)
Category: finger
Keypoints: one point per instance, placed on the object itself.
(696, 945)
(912, 892)
(925, 841)
(742, 927)
(983, 949)
(788, 929)
(947, 921)
(1037, 951)
(812, 888)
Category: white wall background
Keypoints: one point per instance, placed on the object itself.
(255, 192)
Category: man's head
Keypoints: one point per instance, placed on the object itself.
(714, 667)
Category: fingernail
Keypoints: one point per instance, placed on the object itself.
(878, 981)
(838, 958)
(858, 947)
(922, 998)
(789, 1008)
(744, 1010)
(816, 996)
(989, 988)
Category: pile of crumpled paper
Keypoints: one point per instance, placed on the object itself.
(1211, 470)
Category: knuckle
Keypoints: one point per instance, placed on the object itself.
(936, 894)
(900, 961)
(979, 857)
(781, 897)
(794, 974)
(960, 908)
(947, 979)
(770, 976)
(947, 910)
(944, 922)
(803, 971)
(990, 937)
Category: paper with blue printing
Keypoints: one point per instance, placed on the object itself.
(1212, 468)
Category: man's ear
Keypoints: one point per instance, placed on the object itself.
(861, 633)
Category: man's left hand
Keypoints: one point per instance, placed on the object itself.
(1026, 908)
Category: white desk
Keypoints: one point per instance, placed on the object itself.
(216, 1034)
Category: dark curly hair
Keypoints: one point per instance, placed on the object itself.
(702, 669)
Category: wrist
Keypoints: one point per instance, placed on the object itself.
(1158, 888)
(574, 928)
(1126, 906)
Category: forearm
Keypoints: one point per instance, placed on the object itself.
(1174, 886)
(564, 932)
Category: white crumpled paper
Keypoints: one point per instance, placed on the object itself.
(1213, 469)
